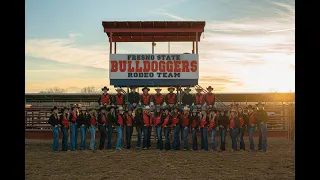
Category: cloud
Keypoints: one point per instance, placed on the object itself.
(74, 34)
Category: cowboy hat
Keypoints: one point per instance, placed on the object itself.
(158, 88)
(105, 88)
(118, 89)
(54, 108)
(199, 88)
(133, 87)
(194, 110)
(260, 103)
(120, 108)
(209, 88)
(146, 108)
(171, 87)
(145, 88)
(186, 108)
(187, 89)
(233, 110)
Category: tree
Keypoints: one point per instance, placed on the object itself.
(89, 89)
(54, 90)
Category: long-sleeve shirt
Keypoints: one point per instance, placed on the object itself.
(133, 97)
(198, 96)
(138, 120)
(187, 99)
(82, 120)
(261, 116)
(53, 121)
(223, 121)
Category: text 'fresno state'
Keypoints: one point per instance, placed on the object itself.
(149, 66)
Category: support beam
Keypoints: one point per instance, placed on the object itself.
(164, 30)
(192, 47)
(110, 40)
(115, 47)
(197, 42)
(153, 38)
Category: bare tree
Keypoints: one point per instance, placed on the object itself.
(89, 89)
(54, 90)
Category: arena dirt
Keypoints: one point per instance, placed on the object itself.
(277, 163)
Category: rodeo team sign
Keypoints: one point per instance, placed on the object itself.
(154, 66)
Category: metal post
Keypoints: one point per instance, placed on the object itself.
(115, 47)
(110, 40)
(152, 47)
(169, 47)
(197, 42)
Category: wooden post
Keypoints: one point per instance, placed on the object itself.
(192, 47)
(115, 47)
(110, 40)
(197, 39)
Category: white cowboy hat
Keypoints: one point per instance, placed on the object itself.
(171, 87)
(186, 108)
(147, 107)
(120, 108)
(151, 104)
(199, 88)
(118, 89)
(158, 88)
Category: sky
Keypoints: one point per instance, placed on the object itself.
(247, 46)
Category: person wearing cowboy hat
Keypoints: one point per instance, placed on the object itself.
(102, 121)
(212, 127)
(199, 98)
(138, 123)
(74, 128)
(158, 98)
(54, 122)
(209, 97)
(119, 98)
(242, 128)
(119, 127)
(223, 124)
(185, 124)
(82, 122)
(158, 129)
(147, 127)
(234, 128)
(104, 98)
(176, 122)
(64, 122)
(129, 127)
(145, 97)
(166, 121)
(194, 123)
(133, 98)
(262, 118)
(251, 127)
(171, 98)
(111, 121)
(92, 117)
(187, 98)
(204, 122)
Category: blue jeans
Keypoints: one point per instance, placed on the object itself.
(176, 139)
(185, 137)
(159, 137)
(213, 139)
(251, 132)
(222, 139)
(234, 135)
(146, 137)
(204, 140)
(194, 140)
(83, 134)
(128, 136)
(110, 132)
(263, 137)
(93, 137)
(74, 136)
(55, 144)
(65, 137)
(119, 138)
(103, 136)
(139, 137)
(241, 133)
(131, 106)
(166, 132)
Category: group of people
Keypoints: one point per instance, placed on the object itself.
(164, 115)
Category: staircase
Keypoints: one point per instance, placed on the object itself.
(219, 104)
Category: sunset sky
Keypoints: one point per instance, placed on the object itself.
(247, 46)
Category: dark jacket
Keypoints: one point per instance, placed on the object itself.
(53, 121)
(187, 99)
(261, 116)
(207, 120)
(223, 121)
(179, 119)
(100, 123)
(133, 97)
(164, 116)
(197, 118)
(138, 120)
(82, 119)
(111, 119)
(123, 118)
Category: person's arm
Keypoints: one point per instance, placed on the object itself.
(51, 119)
(99, 100)
(162, 99)
(203, 99)
(166, 99)
(176, 99)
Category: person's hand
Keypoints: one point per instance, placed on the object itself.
(104, 124)
(82, 125)
(56, 126)
(192, 129)
(185, 128)
(210, 106)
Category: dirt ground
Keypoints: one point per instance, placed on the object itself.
(277, 163)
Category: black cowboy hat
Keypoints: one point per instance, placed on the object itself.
(209, 88)
(105, 88)
(54, 108)
(64, 108)
(145, 88)
(165, 108)
(108, 108)
(133, 87)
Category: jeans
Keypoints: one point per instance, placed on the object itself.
(93, 137)
(241, 133)
(103, 136)
(263, 137)
(251, 132)
(65, 137)
(166, 132)
(222, 139)
(234, 134)
(176, 139)
(131, 106)
(74, 136)
(128, 136)
(204, 140)
(55, 144)
(185, 131)
(110, 132)
(194, 140)
(139, 137)
(159, 137)
(83, 134)
(149, 137)
(119, 138)
(213, 139)
(146, 137)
